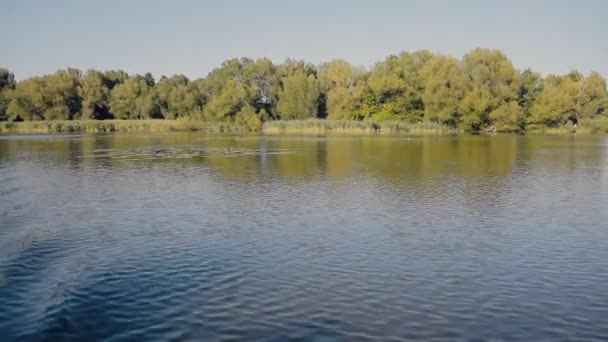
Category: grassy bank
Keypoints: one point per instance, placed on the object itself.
(271, 127)
(313, 126)
(354, 127)
(108, 126)
(586, 126)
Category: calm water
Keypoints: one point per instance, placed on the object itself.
(190, 238)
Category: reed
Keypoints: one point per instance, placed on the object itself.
(316, 126)
(598, 125)
(109, 126)
(310, 126)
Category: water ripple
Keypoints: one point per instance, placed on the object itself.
(105, 243)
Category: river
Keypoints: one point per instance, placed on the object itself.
(187, 237)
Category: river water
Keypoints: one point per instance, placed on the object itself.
(187, 237)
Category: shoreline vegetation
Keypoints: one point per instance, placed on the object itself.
(278, 127)
(310, 126)
(416, 92)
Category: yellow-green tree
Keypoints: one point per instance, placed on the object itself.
(572, 97)
(507, 117)
(343, 88)
(134, 99)
(299, 96)
(50, 97)
(444, 89)
(397, 82)
(493, 82)
(7, 84)
(95, 96)
(227, 103)
(178, 97)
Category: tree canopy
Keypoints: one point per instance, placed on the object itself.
(480, 91)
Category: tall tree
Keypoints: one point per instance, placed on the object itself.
(553, 102)
(27, 101)
(224, 105)
(591, 97)
(95, 96)
(481, 91)
(7, 79)
(444, 89)
(493, 82)
(112, 78)
(530, 85)
(342, 86)
(397, 83)
(299, 96)
(50, 97)
(176, 98)
(262, 79)
(7, 84)
(134, 99)
(572, 97)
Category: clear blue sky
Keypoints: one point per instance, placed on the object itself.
(193, 37)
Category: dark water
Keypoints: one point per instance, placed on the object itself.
(186, 238)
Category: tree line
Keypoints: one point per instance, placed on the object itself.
(480, 91)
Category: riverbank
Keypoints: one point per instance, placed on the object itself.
(109, 126)
(312, 126)
(355, 127)
(586, 126)
(270, 127)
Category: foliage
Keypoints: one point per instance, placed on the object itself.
(7, 84)
(444, 89)
(571, 97)
(481, 91)
(343, 87)
(492, 81)
(317, 126)
(507, 117)
(299, 96)
(397, 82)
(95, 95)
(135, 99)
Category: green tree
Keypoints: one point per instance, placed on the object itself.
(571, 97)
(530, 85)
(227, 103)
(444, 89)
(95, 96)
(27, 101)
(112, 78)
(248, 118)
(149, 79)
(135, 99)
(256, 82)
(50, 97)
(62, 90)
(492, 81)
(483, 90)
(7, 84)
(476, 107)
(553, 102)
(397, 82)
(591, 96)
(507, 117)
(178, 97)
(3, 105)
(7, 79)
(342, 86)
(299, 96)
(262, 79)
(292, 66)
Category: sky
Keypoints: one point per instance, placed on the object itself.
(192, 37)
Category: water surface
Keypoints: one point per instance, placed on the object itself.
(188, 237)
